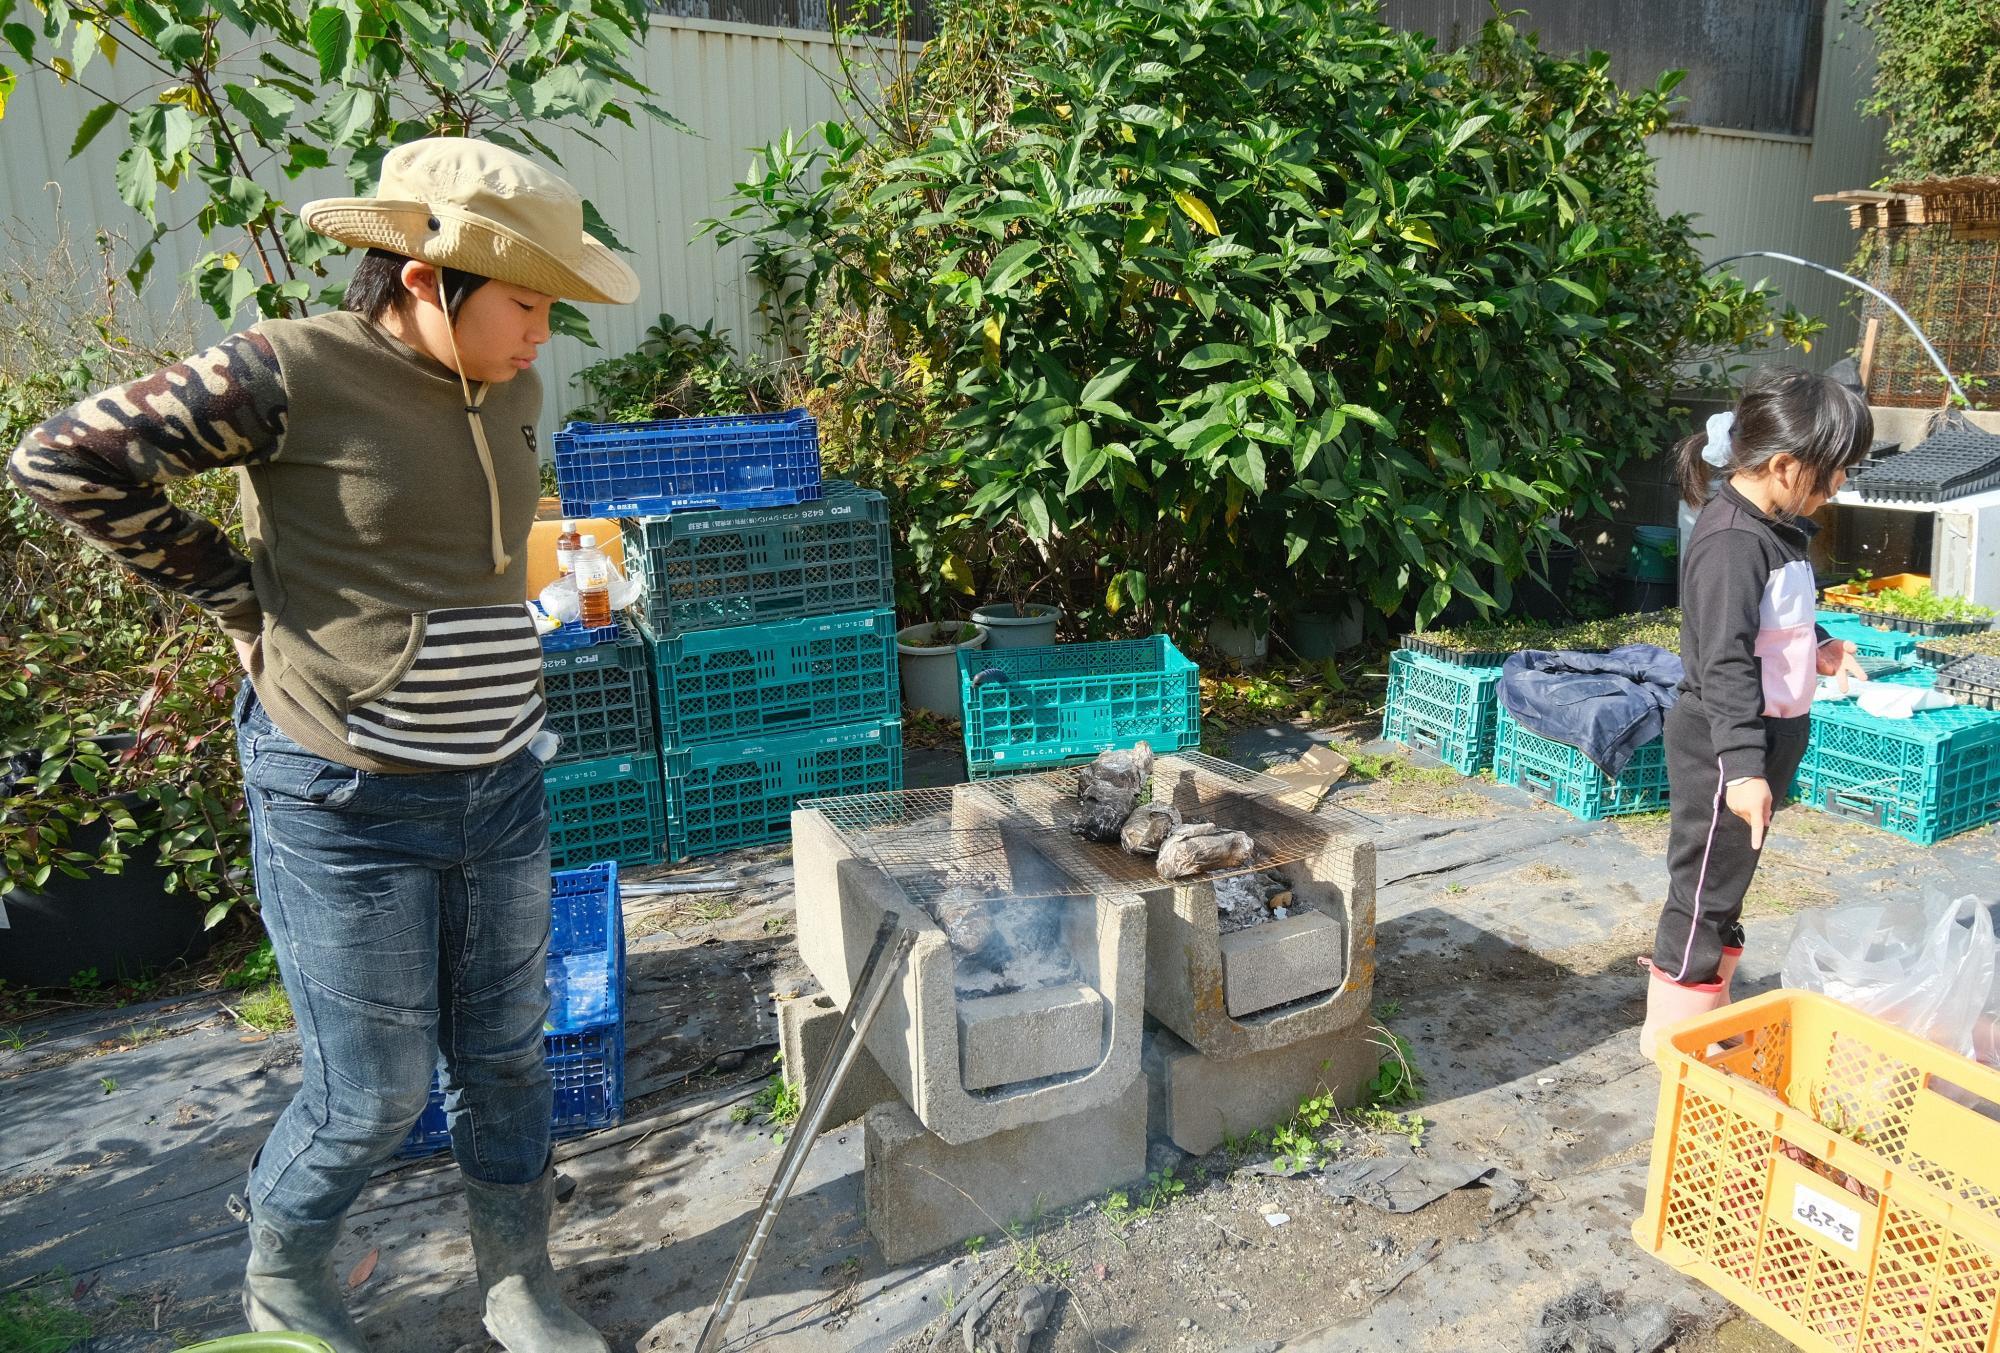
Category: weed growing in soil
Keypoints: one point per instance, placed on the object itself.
(267, 1010)
(776, 1104)
(29, 1321)
(1398, 1080)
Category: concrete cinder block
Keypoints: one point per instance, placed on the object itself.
(1196, 1100)
(996, 1181)
(1185, 980)
(806, 1029)
(915, 1038)
(1277, 962)
(1026, 1035)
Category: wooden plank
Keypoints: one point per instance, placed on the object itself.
(1868, 337)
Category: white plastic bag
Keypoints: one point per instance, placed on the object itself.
(1927, 967)
(559, 598)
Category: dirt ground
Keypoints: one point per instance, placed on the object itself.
(1506, 937)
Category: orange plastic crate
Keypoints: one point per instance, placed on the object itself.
(1831, 1174)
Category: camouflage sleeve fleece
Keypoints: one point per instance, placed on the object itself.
(103, 466)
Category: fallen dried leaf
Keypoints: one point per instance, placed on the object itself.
(363, 1269)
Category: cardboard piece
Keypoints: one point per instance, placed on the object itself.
(1313, 775)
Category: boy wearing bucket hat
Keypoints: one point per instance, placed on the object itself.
(390, 730)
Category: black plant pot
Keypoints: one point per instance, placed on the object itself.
(122, 925)
(1548, 600)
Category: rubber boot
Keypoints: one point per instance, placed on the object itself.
(1669, 1002)
(290, 1285)
(510, 1242)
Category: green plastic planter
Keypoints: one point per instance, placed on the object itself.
(276, 1341)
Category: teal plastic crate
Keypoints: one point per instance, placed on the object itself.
(712, 570)
(1868, 641)
(1924, 778)
(600, 700)
(754, 680)
(613, 809)
(1442, 710)
(728, 794)
(1560, 774)
(1037, 705)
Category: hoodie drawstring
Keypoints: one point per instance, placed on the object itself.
(501, 559)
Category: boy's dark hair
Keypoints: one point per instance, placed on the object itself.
(1815, 419)
(377, 287)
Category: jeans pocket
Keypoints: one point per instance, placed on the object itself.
(300, 777)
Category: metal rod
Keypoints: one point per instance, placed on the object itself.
(677, 888)
(885, 961)
(1851, 280)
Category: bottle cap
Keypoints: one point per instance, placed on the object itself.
(568, 526)
(588, 542)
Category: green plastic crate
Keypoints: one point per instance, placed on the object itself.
(1868, 641)
(1443, 710)
(600, 700)
(1560, 774)
(712, 570)
(728, 794)
(754, 680)
(1036, 705)
(612, 809)
(1924, 778)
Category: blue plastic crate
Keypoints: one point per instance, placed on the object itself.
(754, 680)
(584, 1046)
(606, 810)
(1443, 710)
(684, 464)
(1868, 641)
(1042, 705)
(600, 700)
(1924, 778)
(1560, 774)
(712, 570)
(728, 794)
(574, 635)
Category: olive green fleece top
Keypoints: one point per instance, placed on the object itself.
(390, 636)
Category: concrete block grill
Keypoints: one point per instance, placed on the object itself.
(1251, 990)
(970, 1052)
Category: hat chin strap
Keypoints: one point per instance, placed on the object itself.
(501, 559)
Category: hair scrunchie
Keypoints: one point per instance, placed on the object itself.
(1718, 450)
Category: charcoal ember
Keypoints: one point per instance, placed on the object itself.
(1148, 828)
(1108, 789)
(1199, 847)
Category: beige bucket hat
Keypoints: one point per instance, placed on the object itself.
(457, 202)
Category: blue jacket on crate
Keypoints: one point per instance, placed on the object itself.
(1606, 705)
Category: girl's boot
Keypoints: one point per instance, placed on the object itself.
(1669, 1002)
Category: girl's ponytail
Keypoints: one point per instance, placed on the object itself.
(1695, 473)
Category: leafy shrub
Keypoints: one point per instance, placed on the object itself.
(1921, 604)
(678, 371)
(1937, 81)
(1175, 311)
(88, 653)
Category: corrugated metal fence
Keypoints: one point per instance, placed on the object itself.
(736, 85)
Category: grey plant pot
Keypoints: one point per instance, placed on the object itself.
(930, 671)
(1007, 629)
(1247, 646)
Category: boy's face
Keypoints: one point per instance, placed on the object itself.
(500, 328)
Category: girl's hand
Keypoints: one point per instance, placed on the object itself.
(1751, 801)
(1836, 658)
(246, 650)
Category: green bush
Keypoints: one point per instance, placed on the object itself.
(1168, 312)
(86, 650)
(678, 371)
(1937, 81)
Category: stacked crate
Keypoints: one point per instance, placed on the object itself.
(769, 643)
(584, 1034)
(604, 793)
(1036, 709)
(1924, 778)
(1443, 708)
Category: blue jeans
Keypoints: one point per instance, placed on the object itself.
(409, 915)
